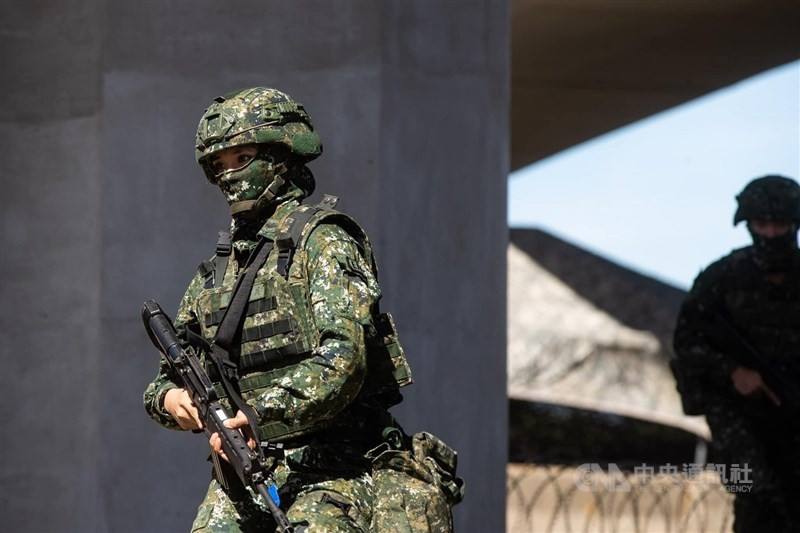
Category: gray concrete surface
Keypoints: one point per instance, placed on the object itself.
(103, 206)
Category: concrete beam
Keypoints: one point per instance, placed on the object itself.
(581, 68)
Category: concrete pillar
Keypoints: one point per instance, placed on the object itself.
(50, 265)
(411, 101)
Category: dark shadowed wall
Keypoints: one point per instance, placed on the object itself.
(103, 206)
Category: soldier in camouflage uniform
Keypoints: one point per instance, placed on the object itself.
(306, 352)
(757, 289)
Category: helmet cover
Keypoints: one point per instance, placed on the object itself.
(769, 198)
(255, 116)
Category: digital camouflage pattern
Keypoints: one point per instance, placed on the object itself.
(408, 502)
(250, 182)
(340, 471)
(370, 487)
(764, 305)
(388, 500)
(415, 488)
(255, 116)
(323, 505)
(341, 290)
(270, 120)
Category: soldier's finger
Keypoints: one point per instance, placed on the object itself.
(215, 442)
(238, 421)
(184, 419)
(216, 445)
(195, 416)
(184, 399)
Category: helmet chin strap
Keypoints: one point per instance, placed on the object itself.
(266, 198)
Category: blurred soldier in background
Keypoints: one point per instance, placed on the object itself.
(314, 364)
(737, 346)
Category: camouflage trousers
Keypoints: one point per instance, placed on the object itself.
(384, 499)
(752, 433)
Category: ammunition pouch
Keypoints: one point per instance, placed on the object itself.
(429, 459)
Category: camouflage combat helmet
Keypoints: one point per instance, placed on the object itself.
(769, 198)
(263, 117)
(256, 116)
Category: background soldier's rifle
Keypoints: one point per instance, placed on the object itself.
(727, 338)
(249, 465)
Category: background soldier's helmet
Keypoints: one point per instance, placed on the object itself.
(255, 116)
(769, 198)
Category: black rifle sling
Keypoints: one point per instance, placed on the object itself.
(232, 320)
(222, 348)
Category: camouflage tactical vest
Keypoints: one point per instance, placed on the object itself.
(279, 330)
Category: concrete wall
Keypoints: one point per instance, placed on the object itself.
(103, 206)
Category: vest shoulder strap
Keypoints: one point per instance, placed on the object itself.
(206, 271)
(223, 252)
(213, 270)
(301, 223)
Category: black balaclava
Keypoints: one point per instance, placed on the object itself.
(775, 254)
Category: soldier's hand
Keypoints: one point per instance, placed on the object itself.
(178, 403)
(237, 422)
(748, 382)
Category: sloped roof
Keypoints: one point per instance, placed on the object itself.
(585, 332)
(633, 299)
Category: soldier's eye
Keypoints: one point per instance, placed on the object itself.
(245, 158)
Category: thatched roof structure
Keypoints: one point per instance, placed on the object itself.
(588, 333)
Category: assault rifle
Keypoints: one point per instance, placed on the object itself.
(249, 465)
(727, 338)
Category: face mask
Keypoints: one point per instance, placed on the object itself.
(775, 253)
(253, 185)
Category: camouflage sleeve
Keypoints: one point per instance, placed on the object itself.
(694, 352)
(155, 391)
(342, 289)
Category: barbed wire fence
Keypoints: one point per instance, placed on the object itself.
(566, 499)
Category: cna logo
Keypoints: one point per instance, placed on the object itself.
(592, 477)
